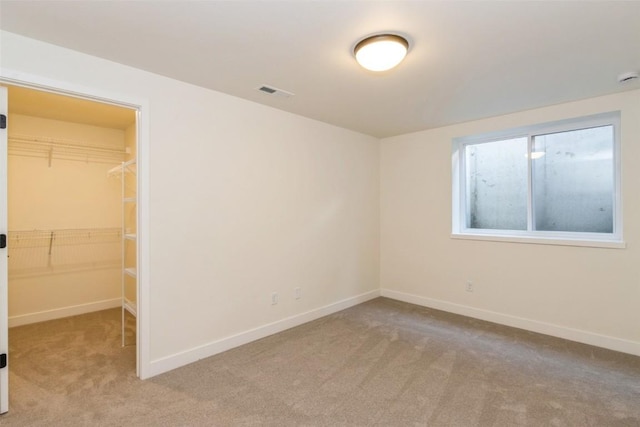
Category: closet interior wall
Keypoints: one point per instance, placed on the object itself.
(65, 218)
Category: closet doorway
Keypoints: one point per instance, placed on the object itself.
(72, 209)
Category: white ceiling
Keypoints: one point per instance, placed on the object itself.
(467, 60)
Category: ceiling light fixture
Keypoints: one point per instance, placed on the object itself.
(381, 52)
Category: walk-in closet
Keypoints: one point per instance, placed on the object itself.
(71, 209)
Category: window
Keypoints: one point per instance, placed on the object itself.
(549, 183)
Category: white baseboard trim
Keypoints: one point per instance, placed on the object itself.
(177, 360)
(58, 313)
(585, 337)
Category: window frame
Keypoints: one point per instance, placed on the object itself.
(460, 210)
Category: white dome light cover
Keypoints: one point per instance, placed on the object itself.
(381, 52)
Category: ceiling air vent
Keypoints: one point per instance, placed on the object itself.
(274, 91)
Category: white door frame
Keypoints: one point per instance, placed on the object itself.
(4, 274)
(18, 78)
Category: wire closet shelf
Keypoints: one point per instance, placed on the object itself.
(36, 252)
(61, 149)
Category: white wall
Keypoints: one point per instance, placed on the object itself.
(586, 294)
(245, 200)
(69, 193)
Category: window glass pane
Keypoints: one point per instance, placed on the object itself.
(496, 180)
(573, 180)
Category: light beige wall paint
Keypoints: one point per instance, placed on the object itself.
(589, 289)
(245, 200)
(67, 195)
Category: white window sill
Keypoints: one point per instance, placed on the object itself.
(609, 244)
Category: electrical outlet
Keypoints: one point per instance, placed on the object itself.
(274, 298)
(297, 293)
(469, 287)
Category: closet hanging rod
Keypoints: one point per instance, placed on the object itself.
(63, 232)
(65, 237)
(65, 144)
(77, 158)
(47, 151)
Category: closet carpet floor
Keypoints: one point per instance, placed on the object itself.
(382, 363)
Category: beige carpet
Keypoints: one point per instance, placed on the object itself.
(382, 363)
